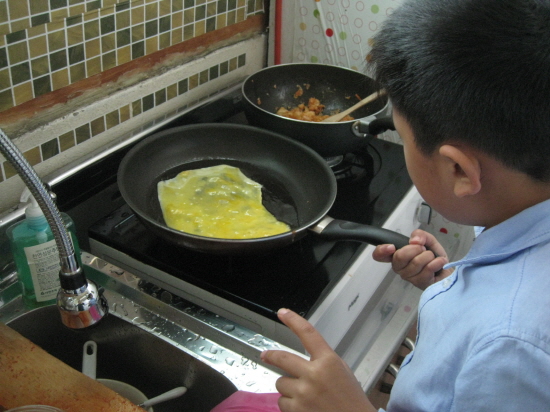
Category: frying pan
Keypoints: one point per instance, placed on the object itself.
(267, 90)
(299, 187)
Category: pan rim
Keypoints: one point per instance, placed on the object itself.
(155, 224)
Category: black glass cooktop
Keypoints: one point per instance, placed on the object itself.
(370, 185)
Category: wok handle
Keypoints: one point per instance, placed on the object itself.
(343, 230)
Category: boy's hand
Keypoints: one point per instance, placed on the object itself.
(324, 383)
(415, 263)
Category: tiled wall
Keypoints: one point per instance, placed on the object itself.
(50, 46)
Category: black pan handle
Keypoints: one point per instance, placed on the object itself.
(375, 126)
(343, 230)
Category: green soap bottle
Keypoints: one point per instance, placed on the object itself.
(36, 256)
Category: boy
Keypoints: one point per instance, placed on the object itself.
(470, 85)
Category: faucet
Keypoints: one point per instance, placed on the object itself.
(80, 302)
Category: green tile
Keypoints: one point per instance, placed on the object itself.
(108, 43)
(58, 60)
(82, 133)
(78, 72)
(18, 52)
(148, 102)
(211, 9)
(76, 54)
(6, 100)
(151, 28)
(241, 60)
(160, 96)
(138, 32)
(56, 40)
(164, 24)
(214, 72)
(200, 13)
(71, 21)
(40, 19)
(124, 5)
(165, 40)
(49, 149)
(93, 5)
(20, 73)
(222, 6)
(210, 24)
(107, 24)
(4, 12)
(138, 50)
(16, 36)
(57, 4)
(42, 85)
(183, 86)
(189, 3)
(123, 38)
(3, 57)
(122, 20)
(231, 4)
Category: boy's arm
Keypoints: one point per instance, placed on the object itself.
(415, 263)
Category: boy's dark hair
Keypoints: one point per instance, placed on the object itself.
(473, 71)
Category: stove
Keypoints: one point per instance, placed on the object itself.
(350, 298)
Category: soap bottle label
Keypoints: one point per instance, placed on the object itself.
(43, 262)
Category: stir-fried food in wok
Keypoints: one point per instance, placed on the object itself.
(218, 201)
(313, 112)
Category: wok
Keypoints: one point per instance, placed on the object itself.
(336, 87)
(299, 187)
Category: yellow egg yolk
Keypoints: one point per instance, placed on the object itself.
(218, 201)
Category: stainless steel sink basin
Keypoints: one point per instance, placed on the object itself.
(132, 355)
(153, 345)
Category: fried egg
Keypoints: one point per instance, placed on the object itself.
(219, 202)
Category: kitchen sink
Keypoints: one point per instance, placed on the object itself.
(153, 345)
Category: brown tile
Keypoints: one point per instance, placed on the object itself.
(124, 113)
(138, 15)
(112, 119)
(231, 17)
(40, 66)
(93, 48)
(177, 19)
(55, 26)
(177, 35)
(108, 60)
(33, 156)
(75, 34)
(39, 6)
(193, 81)
(66, 141)
(9, 171)
(108, 42)
(5, 80)
(38, 46)
(136, 108)
(123, 19)
(4, 18)
(23, 92)
(18, 52)
(188, 32)
(151, 11)
(18, 9)
(78, 9)
(200, 28)
(221, 21)
(203, 77)
(77, 72)
(124, 55)
(172, 91)
(189, 16)
(59, 14)
(36, 31)
(97, 126)
(151, 45)
(93, 66)
(138, 32)
(165, 40)
(91, 29)
(56, 40)
(60, 79)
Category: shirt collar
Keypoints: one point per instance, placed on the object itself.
(526, 229)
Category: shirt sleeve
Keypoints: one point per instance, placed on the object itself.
(506, 374)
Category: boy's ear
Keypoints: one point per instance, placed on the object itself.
(465, 170)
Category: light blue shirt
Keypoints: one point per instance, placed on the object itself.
(483, 339)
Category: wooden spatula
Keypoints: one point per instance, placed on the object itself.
(339, 116)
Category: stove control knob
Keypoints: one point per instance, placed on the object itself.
(424, 213)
